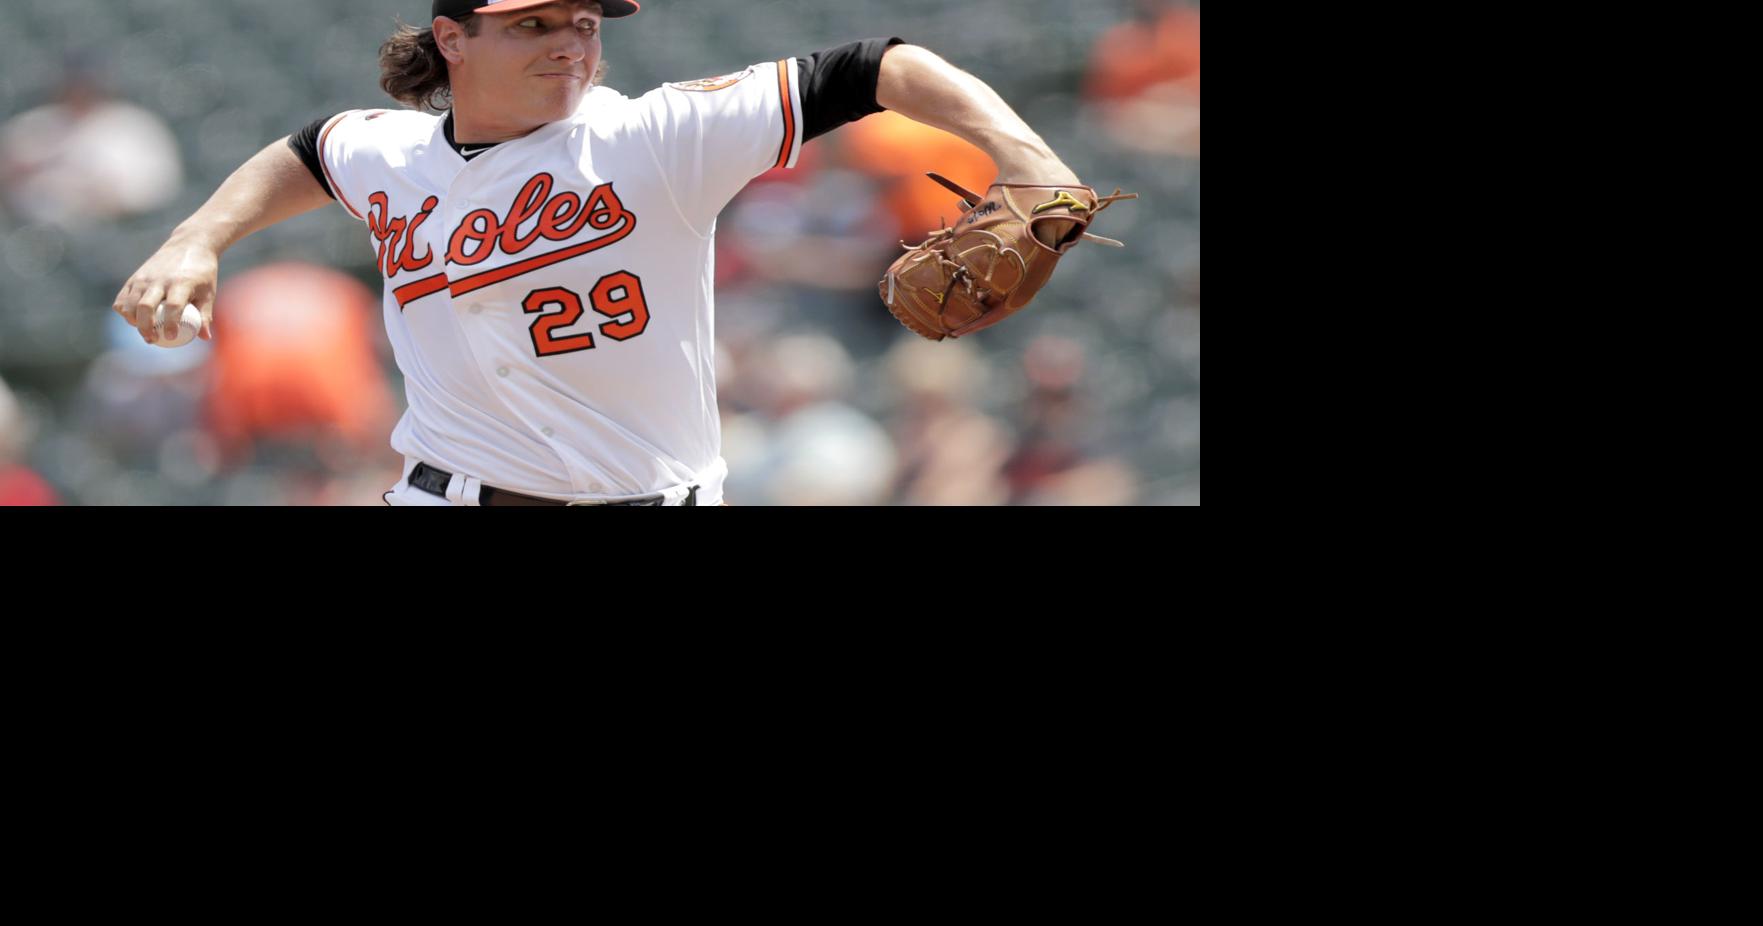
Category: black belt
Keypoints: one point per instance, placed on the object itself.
(434, 482)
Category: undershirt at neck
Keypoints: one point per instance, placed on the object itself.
(465, 151)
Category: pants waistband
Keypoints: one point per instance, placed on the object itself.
(434, 481)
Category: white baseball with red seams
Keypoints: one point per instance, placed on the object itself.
(189, 325)
(549, 302)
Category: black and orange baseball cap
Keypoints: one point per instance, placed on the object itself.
(611, 9)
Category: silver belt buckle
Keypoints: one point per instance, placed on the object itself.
(585, 501)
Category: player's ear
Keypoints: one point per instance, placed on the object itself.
(449, 39)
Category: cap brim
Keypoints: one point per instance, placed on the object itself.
(611, 9)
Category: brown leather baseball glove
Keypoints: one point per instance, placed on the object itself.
(994, 260)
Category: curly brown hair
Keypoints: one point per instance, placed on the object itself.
(413, 72)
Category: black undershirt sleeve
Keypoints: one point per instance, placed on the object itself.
(305, 145)
(838, 84)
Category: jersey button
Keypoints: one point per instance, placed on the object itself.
(502, 371)
(548, 432)
(477, 310)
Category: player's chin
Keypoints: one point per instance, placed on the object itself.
(560, 95)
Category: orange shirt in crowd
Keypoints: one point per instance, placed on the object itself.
(898, 151)
(294, 356)
(22, 488)
(1136, 56)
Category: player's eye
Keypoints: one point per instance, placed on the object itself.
(530, 21)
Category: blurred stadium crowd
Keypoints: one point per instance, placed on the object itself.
(118, 118)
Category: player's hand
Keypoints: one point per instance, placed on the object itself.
(180, 273)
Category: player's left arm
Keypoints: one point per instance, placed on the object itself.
(921, 86)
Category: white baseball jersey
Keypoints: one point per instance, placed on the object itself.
(549, 302)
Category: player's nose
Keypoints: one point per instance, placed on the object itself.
(573, 46)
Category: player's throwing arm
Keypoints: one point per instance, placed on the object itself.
(267, 189)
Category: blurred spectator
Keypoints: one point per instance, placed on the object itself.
(803, 444)
(829, 233)
(898, 152)
(1144, 79)
(295, 361)
(19, 485)
(86, 158)
(951, 453)
(1053, 463)
(136, 395)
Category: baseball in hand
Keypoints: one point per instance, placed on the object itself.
(188, 326)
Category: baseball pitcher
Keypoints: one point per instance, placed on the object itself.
(546, 243)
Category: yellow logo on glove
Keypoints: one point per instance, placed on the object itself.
(1063, 199)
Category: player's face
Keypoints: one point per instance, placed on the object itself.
(534, 65)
